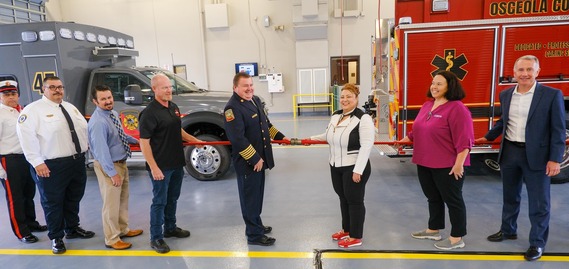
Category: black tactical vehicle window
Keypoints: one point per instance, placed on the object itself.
(118, 82)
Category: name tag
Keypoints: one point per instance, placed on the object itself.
(254, 116)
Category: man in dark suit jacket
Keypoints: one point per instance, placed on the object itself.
(533, 130)
(250, 133)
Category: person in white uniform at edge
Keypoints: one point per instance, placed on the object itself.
(15, 170)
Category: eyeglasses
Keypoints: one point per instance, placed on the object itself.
(53, 87)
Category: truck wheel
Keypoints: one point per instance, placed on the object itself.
(563, 175)
(210, 162)
(491, 163)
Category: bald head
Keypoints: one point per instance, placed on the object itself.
(162, 88)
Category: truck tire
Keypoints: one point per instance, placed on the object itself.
(210, 162)
(491, 163)
(563, 176)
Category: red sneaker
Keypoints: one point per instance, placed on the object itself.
(347, 243)
(340, 235)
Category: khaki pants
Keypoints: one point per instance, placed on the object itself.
(115, 203)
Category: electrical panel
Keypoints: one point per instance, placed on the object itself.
(275, 82)
(262, 77)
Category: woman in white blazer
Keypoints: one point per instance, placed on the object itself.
(350, 135)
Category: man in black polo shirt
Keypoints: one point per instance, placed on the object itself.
(161, 136)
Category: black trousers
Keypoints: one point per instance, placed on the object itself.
(251, 191)
(351, 196)
(61, 193)
(440, 188)
(20, 191)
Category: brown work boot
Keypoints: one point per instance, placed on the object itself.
(132, 233)
(119, 245)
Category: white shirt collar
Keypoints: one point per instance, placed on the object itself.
(51, 103)
(531, 90)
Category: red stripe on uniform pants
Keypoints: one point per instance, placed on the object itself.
(11, 201)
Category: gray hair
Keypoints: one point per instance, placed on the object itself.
(529, 58)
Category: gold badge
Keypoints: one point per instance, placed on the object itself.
(130, 122)
(254, 116)
(229, 115)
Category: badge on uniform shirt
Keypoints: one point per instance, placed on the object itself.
(229, 115)
(254, 116)
(22, 118)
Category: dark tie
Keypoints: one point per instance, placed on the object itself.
(72, 129)
(122, 135)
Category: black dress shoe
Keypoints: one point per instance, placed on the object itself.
(533, 253)
(500, 236)
(79, 233)
(30, 238)
(160, 246)
(57, 246)
(263, 241)
(38, 228)
(267, 229)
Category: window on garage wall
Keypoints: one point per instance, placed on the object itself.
(19, 11)
(344, 69)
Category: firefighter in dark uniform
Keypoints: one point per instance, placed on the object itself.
(250, 132)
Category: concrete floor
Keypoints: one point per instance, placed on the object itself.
(304, 211)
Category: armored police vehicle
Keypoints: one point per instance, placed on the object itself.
(84, 56)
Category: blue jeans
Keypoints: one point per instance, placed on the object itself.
(164, 201)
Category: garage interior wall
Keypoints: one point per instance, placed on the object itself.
(173, 32)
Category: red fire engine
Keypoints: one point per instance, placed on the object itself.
(481, 51)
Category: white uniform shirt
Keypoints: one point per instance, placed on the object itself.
(44, 133)
(518, 115)
(9, 143)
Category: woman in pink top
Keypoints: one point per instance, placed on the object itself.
(442, 137)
